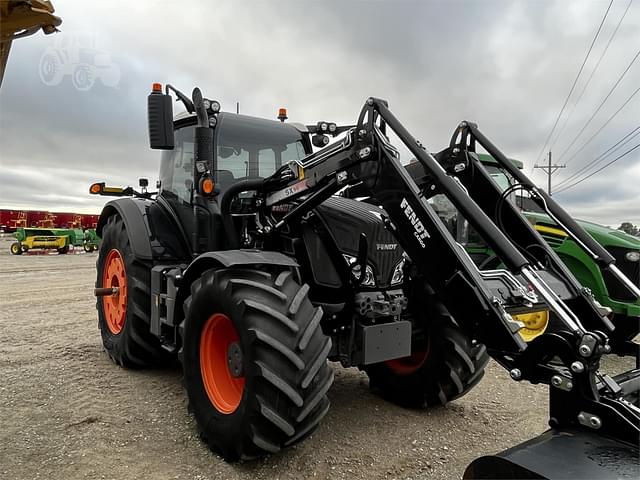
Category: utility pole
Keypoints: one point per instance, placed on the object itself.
(549, 170)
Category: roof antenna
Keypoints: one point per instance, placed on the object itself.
(238, 107)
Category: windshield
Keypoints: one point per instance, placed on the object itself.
(246, 147)
(249, 147)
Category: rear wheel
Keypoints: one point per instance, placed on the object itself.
(445, 367)
(123, 318)
(63, 250)
(255, 361)
(15, 248)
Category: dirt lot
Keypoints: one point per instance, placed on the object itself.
(67, 412)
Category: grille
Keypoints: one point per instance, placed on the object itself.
(616, 290)
(553, 240)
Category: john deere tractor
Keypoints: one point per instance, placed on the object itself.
(253, 267)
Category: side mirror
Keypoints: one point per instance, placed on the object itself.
(143, 182)
(160, 118)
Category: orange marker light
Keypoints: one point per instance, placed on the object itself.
(95, 188)
(157, 87)
(207, 186)
(282, 114)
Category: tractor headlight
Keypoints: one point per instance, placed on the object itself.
(398, 273)
(369, 278)
(633, 256)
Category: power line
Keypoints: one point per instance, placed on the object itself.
(599, 170)
(603, 125)
(604, 100)
(564, 105)
(595, 69)
(620, 143)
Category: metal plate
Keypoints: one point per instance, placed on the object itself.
(386, 341)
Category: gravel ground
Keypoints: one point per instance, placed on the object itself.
(67, 412)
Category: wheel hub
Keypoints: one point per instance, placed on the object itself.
(234, 360)
(115, 306)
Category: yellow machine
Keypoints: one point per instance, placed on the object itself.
(21, 18)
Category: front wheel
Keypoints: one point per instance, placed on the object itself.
(16, 249)
(123, 318)
(445, 367)
(255, 361)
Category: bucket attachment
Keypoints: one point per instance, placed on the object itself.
(560, 454)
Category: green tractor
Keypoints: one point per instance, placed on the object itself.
(607, 290)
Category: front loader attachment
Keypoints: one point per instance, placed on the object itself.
(559, 454)
(594, 419)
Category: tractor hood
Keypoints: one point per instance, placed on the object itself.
(605, 236)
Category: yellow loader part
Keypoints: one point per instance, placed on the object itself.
(21, 18)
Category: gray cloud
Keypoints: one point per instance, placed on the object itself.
(507, 65)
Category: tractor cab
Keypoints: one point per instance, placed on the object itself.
(206, 151)
(244, 148)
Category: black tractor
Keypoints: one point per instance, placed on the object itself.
(255, 263)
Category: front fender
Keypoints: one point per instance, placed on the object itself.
(226, 259)
(153, 235)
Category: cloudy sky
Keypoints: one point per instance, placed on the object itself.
(506, 65)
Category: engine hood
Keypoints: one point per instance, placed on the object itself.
(345, 219)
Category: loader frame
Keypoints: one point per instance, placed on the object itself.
(580, 396)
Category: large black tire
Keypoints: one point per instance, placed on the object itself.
(284, 361)
(448, 367)
(63, 250)
(133, 346)
(16, 248)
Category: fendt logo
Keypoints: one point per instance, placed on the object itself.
(420, 232)
(386, 246)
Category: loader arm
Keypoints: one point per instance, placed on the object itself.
(567, 355)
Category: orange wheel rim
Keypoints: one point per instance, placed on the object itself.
(115, 306)
(221, 363)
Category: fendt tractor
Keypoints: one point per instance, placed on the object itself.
(254, 267)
